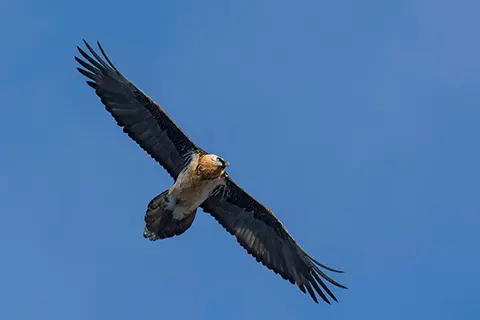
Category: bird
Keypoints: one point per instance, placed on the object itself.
(200, 181)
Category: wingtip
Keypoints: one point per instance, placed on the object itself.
(92, 84)
(329, 268)
(324, 299)
(340, 285)
(88, 45)
(79, 50)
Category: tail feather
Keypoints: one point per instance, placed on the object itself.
(159, 222)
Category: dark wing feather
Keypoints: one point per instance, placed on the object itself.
(141, 118)
(263, 236)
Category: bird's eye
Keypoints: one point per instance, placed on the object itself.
(221, 160)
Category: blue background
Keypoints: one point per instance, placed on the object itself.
(357, 122)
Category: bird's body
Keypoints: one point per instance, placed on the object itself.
(180, 203)
(200, 181)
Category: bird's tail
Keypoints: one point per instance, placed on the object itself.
(159, 221)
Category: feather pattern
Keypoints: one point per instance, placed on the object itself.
(255, 226)
(263, 236)
(141, 117)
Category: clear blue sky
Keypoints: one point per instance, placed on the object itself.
(357, 122)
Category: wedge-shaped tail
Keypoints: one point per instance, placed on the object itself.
(159, 221)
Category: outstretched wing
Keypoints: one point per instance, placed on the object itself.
(141, 118)
(264, 237)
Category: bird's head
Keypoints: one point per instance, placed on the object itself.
(218, 161)
(211, 166)
(214, 161)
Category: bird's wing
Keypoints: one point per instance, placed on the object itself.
(263, 236)
(141, 117)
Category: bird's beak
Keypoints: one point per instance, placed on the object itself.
(226, 164)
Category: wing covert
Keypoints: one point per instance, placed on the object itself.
(263, 236)
(141, 117)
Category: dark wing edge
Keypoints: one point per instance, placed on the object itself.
(141, 118)
(264, 237)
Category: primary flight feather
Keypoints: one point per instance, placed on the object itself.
(200, 181)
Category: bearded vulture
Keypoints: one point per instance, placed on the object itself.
(200, 180)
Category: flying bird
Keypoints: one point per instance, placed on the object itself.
(200, 181)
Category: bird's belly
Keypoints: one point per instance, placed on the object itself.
(188, 193)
